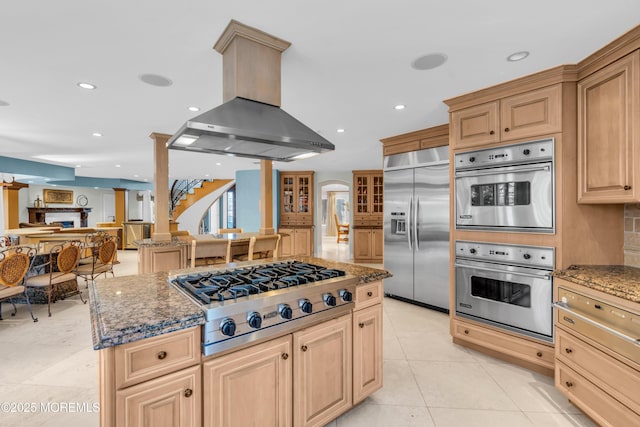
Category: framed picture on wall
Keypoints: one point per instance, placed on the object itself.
(57, 196)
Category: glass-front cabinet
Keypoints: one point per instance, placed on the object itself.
(368, 196)
(296, 198)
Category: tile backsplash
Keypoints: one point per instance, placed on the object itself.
(632, 234)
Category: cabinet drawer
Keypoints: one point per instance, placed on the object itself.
(149, 358)
(508, 345)
(597, 404)
(618, 379)
(368, 295)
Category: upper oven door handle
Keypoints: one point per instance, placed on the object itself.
(495, 270)
(497, 171)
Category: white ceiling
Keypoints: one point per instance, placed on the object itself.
(348, 65)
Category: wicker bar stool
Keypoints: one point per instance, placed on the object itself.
(14, 264)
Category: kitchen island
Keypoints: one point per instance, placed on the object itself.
(151, 363)
(597, 351)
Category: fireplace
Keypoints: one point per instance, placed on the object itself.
(69, 217)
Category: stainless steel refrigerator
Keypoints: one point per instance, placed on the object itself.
(416, 226)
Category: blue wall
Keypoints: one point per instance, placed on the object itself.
(248, 199)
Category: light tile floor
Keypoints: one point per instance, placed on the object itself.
(428, 381)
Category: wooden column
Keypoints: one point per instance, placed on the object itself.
(266, 197)
(161, 187)
(11, 204)
(121, 206)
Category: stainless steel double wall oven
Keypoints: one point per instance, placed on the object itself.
(506, 189)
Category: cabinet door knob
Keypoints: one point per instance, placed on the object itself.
(539, 354)
(285, 356)
(568, 350)
(491, 132)
(627, 187)
(506, 129)
(188, 392)
(569, 384)
(466, 332)
(303, 348)
(361, 325)
(369, 294)
(162, 355)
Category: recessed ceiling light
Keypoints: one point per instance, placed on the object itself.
(430, 61)
(117, 166)
(3, 103)
(78, 166)
(194, 109)
(146, 179)
(218, 164)
(206, 174)
(400, 107)
(340, 130)
(518, 56)
(156, 80)
(85, 85)
(135, 176)
(96, 134)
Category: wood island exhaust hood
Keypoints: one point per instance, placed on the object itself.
(250, 122)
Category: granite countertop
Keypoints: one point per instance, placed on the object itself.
(129, 308)
(146, 243)
(619, 280)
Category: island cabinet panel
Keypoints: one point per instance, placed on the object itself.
(322, 372)
(525, 115)
(367, 352)
(173, 400)
(250, 387)
(609, 133)
(296, 241)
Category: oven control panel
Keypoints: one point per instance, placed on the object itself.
(538, 256)
(528, 152)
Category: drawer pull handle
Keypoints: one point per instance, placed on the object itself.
(466, 332)
(369, 294)
(506, 129)
(188, 392)
(568, 350)
(598, 306)
(361, 325)
(162, 355)
(569, 384)
(627, 187)
(539, 354)
(285, 356)
(303, 348)
(491, 132)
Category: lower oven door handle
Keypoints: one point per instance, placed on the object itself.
(495, 270)
(565, 307)
(497, 171)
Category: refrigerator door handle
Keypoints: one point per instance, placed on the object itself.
(416, 224)
(409, 223)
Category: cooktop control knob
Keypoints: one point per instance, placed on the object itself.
(472, 250)
(254, 319)
(345, 295)
(228, 327)
(526, 256)
(285, 311)
(526, 151)
(329, 299)
(306, 306)
(472, 159)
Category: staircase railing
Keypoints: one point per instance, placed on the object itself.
(181, 187)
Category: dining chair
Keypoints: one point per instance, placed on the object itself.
(262, 247)
(14, 265)
(343, 230)
(102, 259)
(60, 268)
(229, 230)
(210, 251)
(90, 246)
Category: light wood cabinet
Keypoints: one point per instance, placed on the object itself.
(368, 245)
(296, 198)
(367, 352)
(173, 400)
(296, 241)
(609, 133)
(250, 387)
(435, 136)
(368, 197)
(529, 114)
(322, 372)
